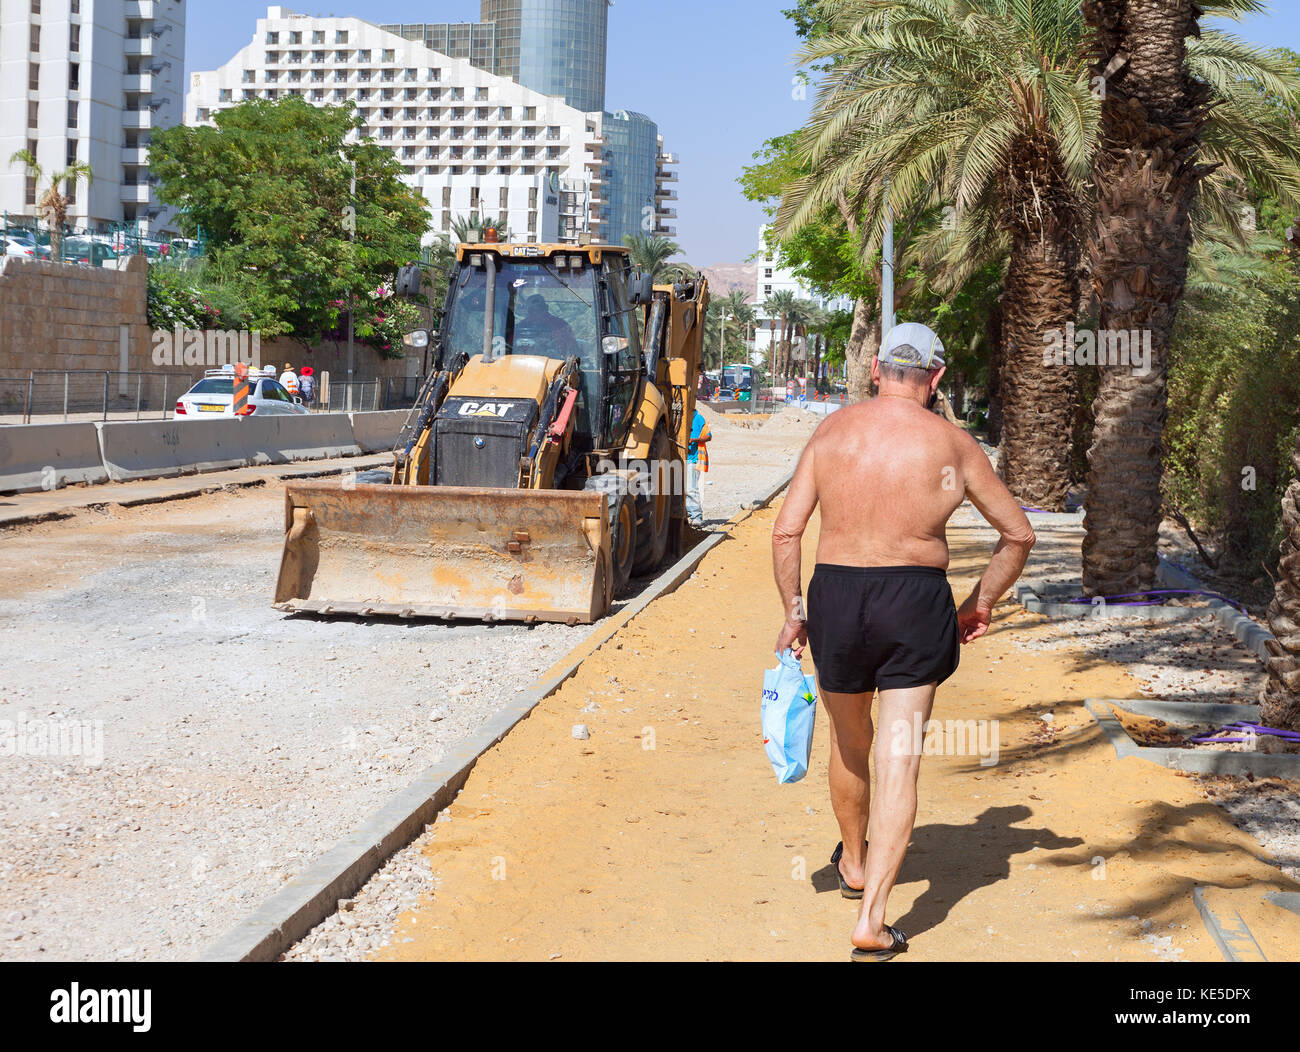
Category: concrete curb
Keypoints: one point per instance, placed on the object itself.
(159, 491)
(1233, 938)
(1029, 595)
(1255, 636)
(1288, 900)
(340, 872)
(1189, 714)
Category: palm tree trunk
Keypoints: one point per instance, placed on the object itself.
(1038, 396)
(1147, 180)
(862, 346)
(1280, 699)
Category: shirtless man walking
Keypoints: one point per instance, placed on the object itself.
(888, 474)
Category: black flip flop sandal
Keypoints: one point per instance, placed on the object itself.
(900, 946)
(846, 890)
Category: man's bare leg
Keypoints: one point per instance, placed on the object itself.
(850, 776)
(898, 762)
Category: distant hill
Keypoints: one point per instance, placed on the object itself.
(724, 277)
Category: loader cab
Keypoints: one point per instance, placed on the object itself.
(554, 302)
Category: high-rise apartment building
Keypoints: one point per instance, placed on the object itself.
(771, 278)
(87, 81)
(471, 141)
(558, 48)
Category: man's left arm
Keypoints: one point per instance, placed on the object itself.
(787, 543)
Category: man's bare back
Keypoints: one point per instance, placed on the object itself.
(888, 475)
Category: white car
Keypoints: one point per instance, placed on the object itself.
(214, 396)
(16, 247)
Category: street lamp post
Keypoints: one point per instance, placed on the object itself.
(887, 272)
(352, 236)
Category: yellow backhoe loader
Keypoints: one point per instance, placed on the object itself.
(543, 464)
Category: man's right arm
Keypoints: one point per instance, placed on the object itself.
(1016, 539)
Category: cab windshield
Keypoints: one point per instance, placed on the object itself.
(540, 309)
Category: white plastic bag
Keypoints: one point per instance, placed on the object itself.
(789, 709)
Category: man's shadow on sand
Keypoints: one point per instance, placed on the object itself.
(956, 860)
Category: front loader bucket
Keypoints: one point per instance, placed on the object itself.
(445, 552)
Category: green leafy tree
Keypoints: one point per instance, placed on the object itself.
(269, 186)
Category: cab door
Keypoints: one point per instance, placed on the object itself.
(623, 369)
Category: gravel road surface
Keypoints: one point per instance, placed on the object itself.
(175, 749)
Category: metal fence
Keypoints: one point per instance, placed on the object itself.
(391, 392)
(96, 394)
(89, 394)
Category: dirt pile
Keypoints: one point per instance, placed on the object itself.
(792, 420)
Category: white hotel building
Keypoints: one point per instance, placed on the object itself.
(772, 278)
(87, 81)
(470, 141)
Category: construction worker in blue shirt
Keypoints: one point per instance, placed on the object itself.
(697, 460)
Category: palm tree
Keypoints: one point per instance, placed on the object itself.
(651, 253)
(817, 323)
(779, 305)
(468, 230)
(736, 307)
(53, 203)
(985, 103)
(800, 314)
(1163, 130)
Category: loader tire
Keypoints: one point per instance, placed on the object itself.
(622, 541)
(622, 529)
(654, 510)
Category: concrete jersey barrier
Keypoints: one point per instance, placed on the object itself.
(48, 456)
(377, 432)
(319, 436)
(45, 456)
(150, 449)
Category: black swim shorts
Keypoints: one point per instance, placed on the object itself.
(881, 627)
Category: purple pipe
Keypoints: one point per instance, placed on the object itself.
(1083, 599)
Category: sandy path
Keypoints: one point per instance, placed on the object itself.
(665, 835)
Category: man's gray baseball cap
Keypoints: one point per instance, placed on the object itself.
(912, 346)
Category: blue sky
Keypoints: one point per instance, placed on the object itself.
(716, 76)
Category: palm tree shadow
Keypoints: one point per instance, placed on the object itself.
(957, 860)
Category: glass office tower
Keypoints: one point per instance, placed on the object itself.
(631, 156)
(556, 47)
